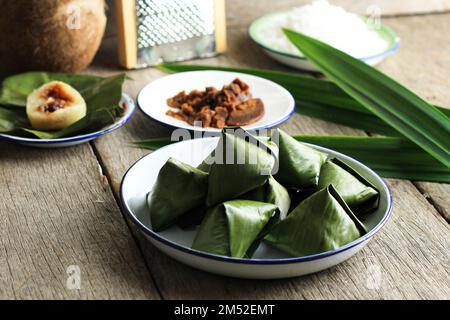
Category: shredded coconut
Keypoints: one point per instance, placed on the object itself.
(331, 24)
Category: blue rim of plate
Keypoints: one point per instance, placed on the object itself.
(206, 255)
(269, 126)
(395, 43)
(130, 110)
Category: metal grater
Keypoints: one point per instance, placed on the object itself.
(156, 31)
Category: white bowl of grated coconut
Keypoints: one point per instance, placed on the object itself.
(364, 38)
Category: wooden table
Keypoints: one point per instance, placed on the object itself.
(59, 208)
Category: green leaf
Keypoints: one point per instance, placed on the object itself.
(390, 157)
(239, 166)
(314, 97)
(320, 223)
(414, 118)
(102, 96)
(179, 188)
(272, 192)
(16, 88)
(356, 191)
(299, 165)
(231, 228)
(354, 119)
(11, 119)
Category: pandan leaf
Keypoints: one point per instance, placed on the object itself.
(389, 157)
(178, 189)
(320, 223)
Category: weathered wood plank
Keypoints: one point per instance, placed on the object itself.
(425, 69)
(57, 210)
(408, 259)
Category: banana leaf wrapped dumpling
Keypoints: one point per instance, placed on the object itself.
(358, 193)
(272, 192)
(179, 188)
(298, 165)
(320, 223)
(232, 228)
(238, 167)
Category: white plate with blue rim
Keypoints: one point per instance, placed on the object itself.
(128, 107)
(267, 262)
(257, 29)
(279, 105)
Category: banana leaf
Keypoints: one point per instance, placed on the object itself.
(319, 98)
(239, 166)
(11, 119)
(298, 164)
(271, 192)
(320, 223)
(178, 189)
(390, 157)
(192, 218)
(233, 227)
(102, 96)
(346, 117)
(356, 191)
(206, 164)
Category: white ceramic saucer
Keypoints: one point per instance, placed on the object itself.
(152, 100)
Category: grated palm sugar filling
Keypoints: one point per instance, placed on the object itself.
(233, 105)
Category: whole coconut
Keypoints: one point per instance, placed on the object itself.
(51, 35)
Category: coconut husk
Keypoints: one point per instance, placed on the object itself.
(51, 35)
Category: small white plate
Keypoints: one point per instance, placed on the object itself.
(130, 108)
(279, 104)
(298, 61)
(267, 263)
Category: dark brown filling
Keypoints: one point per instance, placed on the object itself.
(52, 106)
(231, 105)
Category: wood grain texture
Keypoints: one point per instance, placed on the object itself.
(57, 210)
(408, 259)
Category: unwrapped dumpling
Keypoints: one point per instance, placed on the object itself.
(179, 188)
(320, 223)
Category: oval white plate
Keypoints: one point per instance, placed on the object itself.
(75, 140)
(267, 263)
(300, 62)
(152, 100)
